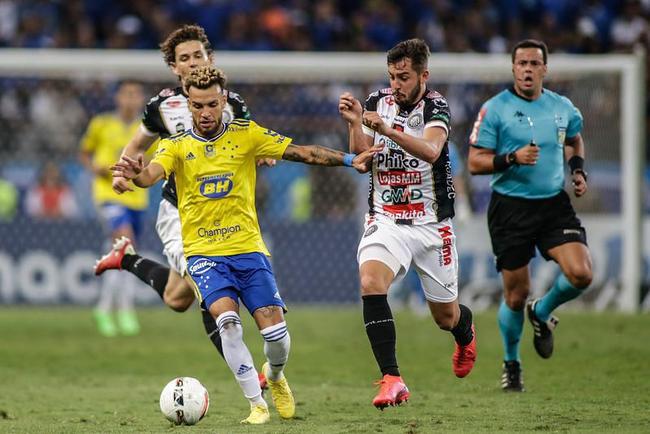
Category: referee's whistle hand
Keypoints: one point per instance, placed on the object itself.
(527, 155)
(579, 184)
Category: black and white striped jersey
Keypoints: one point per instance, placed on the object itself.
(403, 187)
(168, 113)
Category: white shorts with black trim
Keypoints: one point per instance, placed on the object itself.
(430, 247)
(168, 226)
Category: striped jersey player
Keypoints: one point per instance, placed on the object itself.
(403, 187)
(411, 203)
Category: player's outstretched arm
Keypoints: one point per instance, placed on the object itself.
(322, 156)
(139, 144)
(134, 169)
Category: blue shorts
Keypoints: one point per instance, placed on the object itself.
(118, 216)
(247, 277)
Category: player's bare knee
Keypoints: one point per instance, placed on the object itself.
(580, 277)
(516, 300)
(176, 303)
(373, 285)
(445, 321)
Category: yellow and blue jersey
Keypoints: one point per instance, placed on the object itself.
(508, 122)
(215, 182)
(105, 138)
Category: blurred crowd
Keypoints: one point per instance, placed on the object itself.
(44, 119)
(575, 26)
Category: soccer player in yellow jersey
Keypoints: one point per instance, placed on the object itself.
(214, 165)
(101, 146)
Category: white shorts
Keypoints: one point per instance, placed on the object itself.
(430, 247)
(168, 226)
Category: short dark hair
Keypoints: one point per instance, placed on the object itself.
(415, 49)
(188, 32)
(127, 81)
(531, 43)
(205, 77)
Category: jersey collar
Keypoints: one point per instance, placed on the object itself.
(512, 90)
(224, 128)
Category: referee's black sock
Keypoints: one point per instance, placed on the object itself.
(210, 325)
(463, 330)
(380, 329)
(150, 272)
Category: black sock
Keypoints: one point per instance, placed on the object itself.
(380, 329)
(463, 330)
(150, 272)
(210, 326)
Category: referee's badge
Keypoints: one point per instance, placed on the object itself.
(209, 150)
(561, 135)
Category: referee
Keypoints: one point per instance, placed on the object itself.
(523, 136)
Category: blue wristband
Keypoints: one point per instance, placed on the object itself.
(347, 159)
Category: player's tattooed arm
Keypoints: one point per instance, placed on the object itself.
(322, 156)
(314, 154)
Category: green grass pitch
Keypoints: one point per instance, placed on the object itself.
(58, 376)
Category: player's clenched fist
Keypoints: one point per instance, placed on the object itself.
(350, 108)
(373, 121)
(527, 155)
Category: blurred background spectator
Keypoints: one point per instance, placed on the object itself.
(46, 117)
(51, 197)
(8, 200)
(375, 25)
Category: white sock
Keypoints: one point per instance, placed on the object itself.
(238, 357)
(277, 343)
(110, 287)
(126, 294)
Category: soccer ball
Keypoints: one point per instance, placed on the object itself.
(184, 401)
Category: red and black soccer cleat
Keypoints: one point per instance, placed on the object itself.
(113, 259)
(464, 357)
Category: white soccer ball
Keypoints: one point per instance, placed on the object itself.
(184, 401)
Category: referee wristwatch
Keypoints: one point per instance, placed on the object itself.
(511, 158)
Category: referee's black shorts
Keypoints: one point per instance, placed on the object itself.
(519, 225)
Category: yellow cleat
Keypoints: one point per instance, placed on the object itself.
(281, 394)
(259, 415)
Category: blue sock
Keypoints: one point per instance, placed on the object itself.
(561, 292)
(511, 324)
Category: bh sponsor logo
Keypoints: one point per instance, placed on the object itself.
(217, 186)
(201, 266)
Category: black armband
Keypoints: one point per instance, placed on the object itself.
(502, 161)
(576, 165)
(576, 162)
